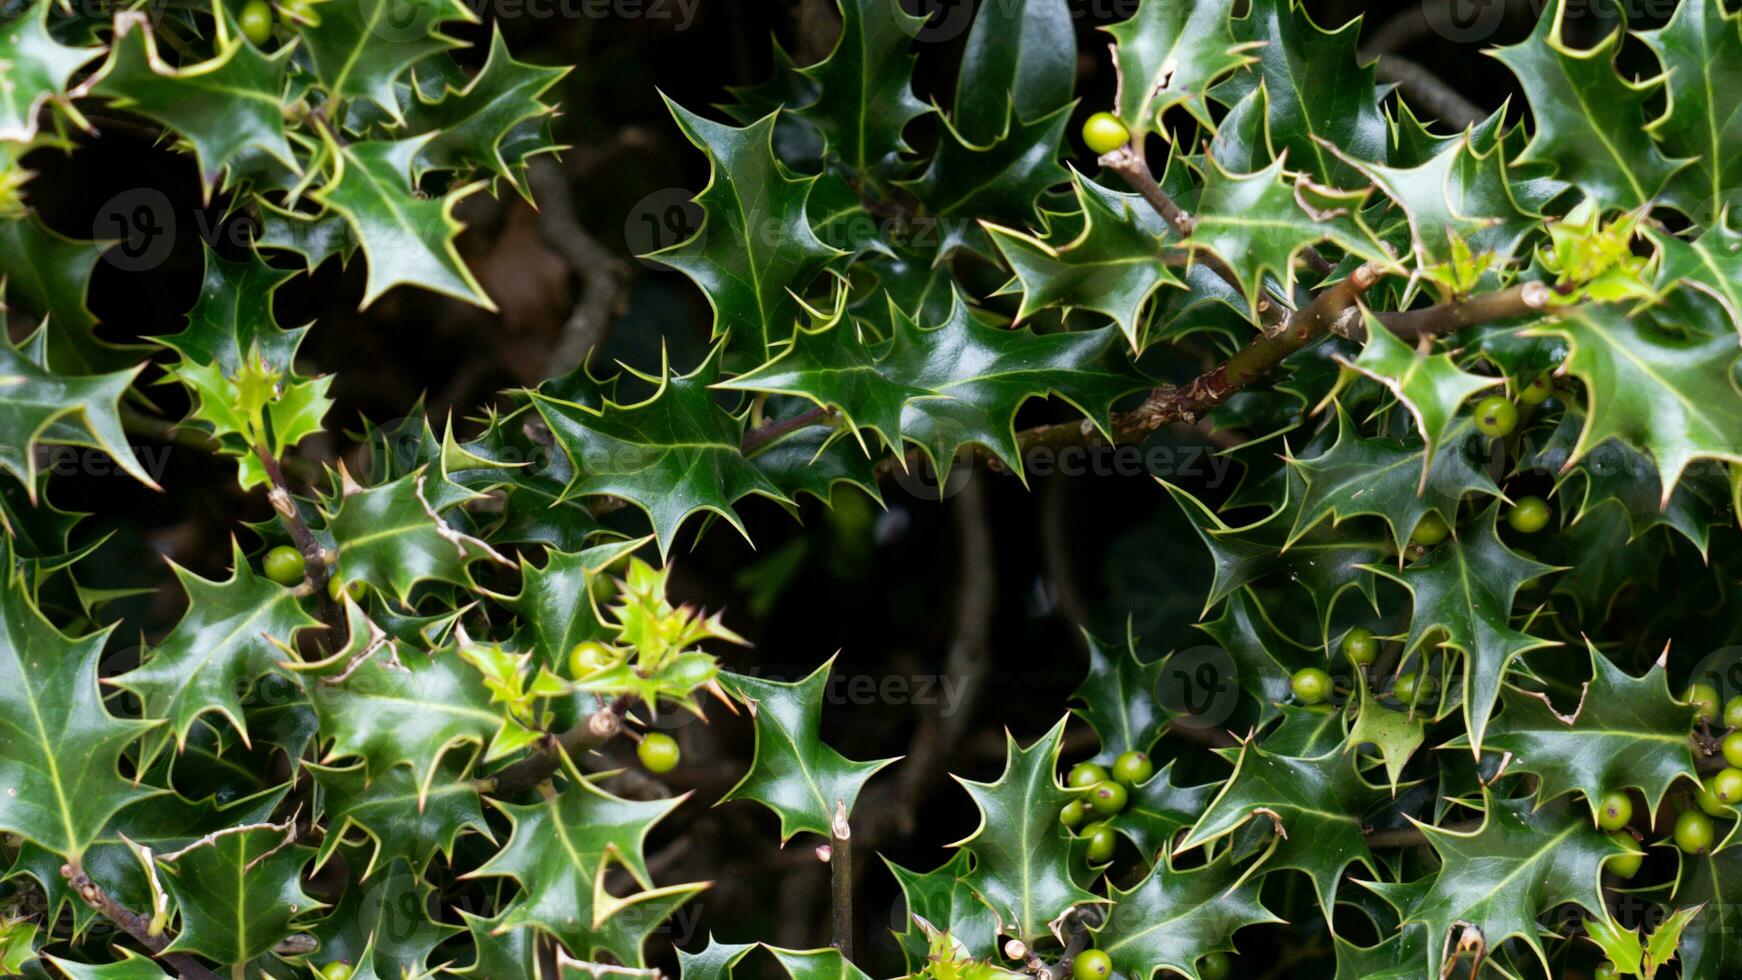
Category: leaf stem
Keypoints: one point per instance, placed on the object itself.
(132, 923)
(593, 731)
(763, 436)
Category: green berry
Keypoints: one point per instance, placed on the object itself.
(1404, 688)
(1133, 768)
(1624, 865)
(1606, 971)
(1104, 133)
(1614, 811)
(658, 752)
(1430, 531)
(283, 565)
(1073, 813)
(1529, 515)
(1102, 840)
(1092, 964)
(256, 21)
(1727, 786)
(1704, 698)
(1310, 686)
(354, 589)
(590, 657)
(1496, 417)
(1707, 800)
(1360, 646)
(1215, 966)
(1693, 832)
(1108, 798)
(1084, 775)
(1538, 390)
(1733, 712)
(1732, 748)
(336, 970)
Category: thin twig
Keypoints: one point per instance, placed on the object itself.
(593, 731)
(1523, 300)
(133, 924)
(841, 880)
(602, 274)
(764, 435)
(314, 557)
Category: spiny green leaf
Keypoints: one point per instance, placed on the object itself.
(942, 898)
(39, 405)
(227, 639)
(406, 237)
(228, 106)
(47, 275)
(359, 48)
(1316, 808)
(560, 853)
(1171, 919)
(1118, 699)
(59, 781)
(237, 891)
(1021, 54)
(794, 773)
(997, 181)
(1431, 386)
(1626, 733)
(1591, 123)
(400, 822)
(390, 537)
(1112, 265)
(37, 69)
(673, 455)
(1022, 859)
(865, 87)
(755, 252)
(1170, 54)
(1701, 51)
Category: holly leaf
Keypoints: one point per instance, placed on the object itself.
(1158, 809)
(1591, 123)
(1499, 879)
(1701, 51)
(406, 237)
(360, 48)
(228, 639)
(233, 316)
(48, 275)
(1321, 96)
(1383, 476)
(1431, 386)
(755, 252)
(402, 823)
(957, 384)
(1171, 919)
(1020, 56)
(238, 891)
(473, 126)
(1672, 395)
(38, 405)
(1118, 699)
(1316, 808)
(392, 706)
(1022, 858)
(131, 966)
(1326, 561)
(715, 961)
(382, 926)
(1626, 733)
(942, 898)
(556, 605)
(560, 852)
(1264, 658)
(1257, 224)
(816, 964)
(59, 747)
(807, 784)
(1112, 265)
(1711, 263)
(673, 455)
(1170, 54)
(865, 87)
(390, 537)
(994, 182)
(37, 69)
(227, 107)
(1709, 881)
(1464, 590)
